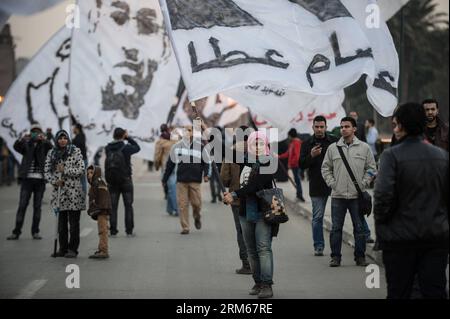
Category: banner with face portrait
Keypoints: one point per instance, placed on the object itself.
(40, 94)
(123, 72)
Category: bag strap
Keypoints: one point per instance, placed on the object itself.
(349, 170)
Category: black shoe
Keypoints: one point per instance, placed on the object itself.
(370, 240)
(184, 232)
(245, 269)
(318, 252)
(198, 223)
(70, 254)
(58, 254)
(265, 292)
(36, 236)
(113, 234)
(361, 261)
(335, 262)
(13, 237)
(255, 290)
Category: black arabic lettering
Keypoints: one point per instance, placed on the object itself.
(221, 60)
(6, 123)
(339, 60)
(381, 82)
(318, 64)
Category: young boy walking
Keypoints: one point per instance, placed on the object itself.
(99, 209)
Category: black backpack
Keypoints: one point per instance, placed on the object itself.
(115, 167)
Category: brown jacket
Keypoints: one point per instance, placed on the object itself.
(162, 151)
(230, 174)
(99, 198)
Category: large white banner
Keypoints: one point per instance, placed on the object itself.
(315, 47)
(123, 72)
(40, 93)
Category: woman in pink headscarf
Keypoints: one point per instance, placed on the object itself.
(256, 176)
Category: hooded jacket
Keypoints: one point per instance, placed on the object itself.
(99, 197)
(128, 149)
(72, 196)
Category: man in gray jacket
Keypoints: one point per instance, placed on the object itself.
(344, 195)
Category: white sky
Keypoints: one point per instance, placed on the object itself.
(31, 32)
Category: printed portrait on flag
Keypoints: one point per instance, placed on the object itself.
(40, 94)
(123, 71)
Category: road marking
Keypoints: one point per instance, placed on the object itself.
(31, 289)
(85, 232)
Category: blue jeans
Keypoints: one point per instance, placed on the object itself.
(28, 187)
(318, 210)
(127, 191)
(258, 240)
(172, 207)
(298, 182)
(366, 229)
(339, 209)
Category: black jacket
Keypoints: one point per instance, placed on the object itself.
(31, 151)
(190, 162)
(257, 181)
(80, 142)
(129, 149)
(317, 185)
(410, 197)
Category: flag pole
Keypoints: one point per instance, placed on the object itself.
(213, 163)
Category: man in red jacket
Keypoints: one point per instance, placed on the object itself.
(293, 156)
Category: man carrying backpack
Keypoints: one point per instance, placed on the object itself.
(118, 175)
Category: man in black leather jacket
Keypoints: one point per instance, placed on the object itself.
(411, 209)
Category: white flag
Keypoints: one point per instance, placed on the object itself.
(382, 88)
(315, 47)
(301, 46)
(123, 72)
(40, 93)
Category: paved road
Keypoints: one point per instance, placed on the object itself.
(161, 263)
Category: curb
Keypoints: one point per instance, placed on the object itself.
(347, 237)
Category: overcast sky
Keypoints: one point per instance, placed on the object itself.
(31, 32)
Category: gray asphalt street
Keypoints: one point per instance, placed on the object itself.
(161, 263)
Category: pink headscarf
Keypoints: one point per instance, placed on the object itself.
(255, 137)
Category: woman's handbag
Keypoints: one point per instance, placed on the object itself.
(273, 201)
